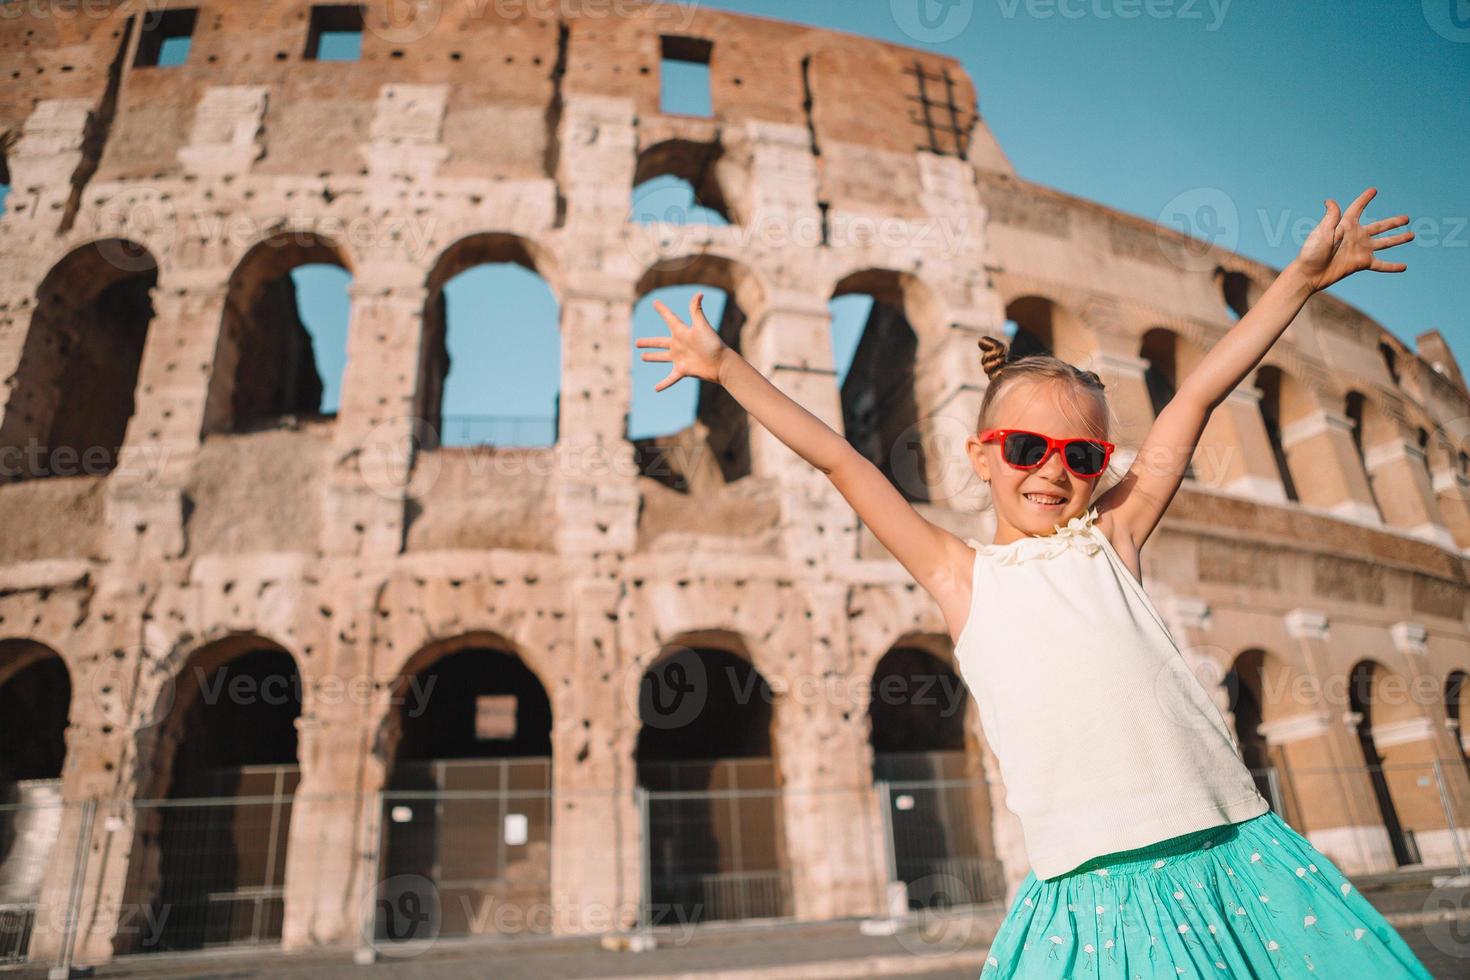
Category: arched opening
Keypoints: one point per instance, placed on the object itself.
(1272, 384)
(694, 436)
(1246, 684)
(209, 856)
(1031, 325)
(285, 323)
(1238, 291)
(880, 410)
(1161, 349)
(1457, 711)
(1367, 430)
(714, 846)
(492, 339)
(1393, 782)
(73, 393)
(35, 700)
(467, 810)
(4, 176)
(930, 781)
(677, 182)
(1390, 360)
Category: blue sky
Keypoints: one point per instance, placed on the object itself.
(1137, 104)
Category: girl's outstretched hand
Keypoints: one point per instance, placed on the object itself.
(1340, 246)
(695, 350)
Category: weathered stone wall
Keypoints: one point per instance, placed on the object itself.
(493, 138)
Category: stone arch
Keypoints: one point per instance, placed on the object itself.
(4, 174)
(1394, 735)
(1287, 406)
(469, 253)
(265, 366)
(695, 165)
(1372, 428)
(928, 759)
(1457, 710)
(706, 762)
(1169, 359)
(880, 405)
(1045, 326)
(1263, 690)
(1238, 290)
(35, 705)
(218, 866)
(84, 343)
(469, 746)
(718, 418)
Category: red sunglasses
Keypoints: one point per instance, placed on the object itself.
(1025, 450)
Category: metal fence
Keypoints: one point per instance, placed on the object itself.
(466, 846)
(451, 844)
(30, 821)
(713, 841)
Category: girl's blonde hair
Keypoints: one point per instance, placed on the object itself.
(1006, 374)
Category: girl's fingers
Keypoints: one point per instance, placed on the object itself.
(675, 376)
(1390, 242)
(1361, 202)
(1378, 266)
(656, 355)
(651, 342)
(667, 314)
(1376, 227)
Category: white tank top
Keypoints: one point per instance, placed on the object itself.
(1105, 738)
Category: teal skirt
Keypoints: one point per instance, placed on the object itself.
(1248, 899)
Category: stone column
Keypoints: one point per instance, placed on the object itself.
(1322, 445)
(1452, 495)
(1402, 487)
(596, 838)
(379, 430)
(146, 492)
(828, 807)
(1352, 834)
(1235, 453)
(790, 344)
(597, 473)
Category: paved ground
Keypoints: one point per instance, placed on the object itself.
(837, 950)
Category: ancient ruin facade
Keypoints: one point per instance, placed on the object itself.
(176, 511)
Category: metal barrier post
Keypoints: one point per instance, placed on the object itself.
(1444, 802)
(366, 951)
(63, 968)
(1273, 784)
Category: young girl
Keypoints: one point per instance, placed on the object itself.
(1153, 853)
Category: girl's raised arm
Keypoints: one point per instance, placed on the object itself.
(927, 551)
(1336, 248)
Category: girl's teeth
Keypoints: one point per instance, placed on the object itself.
(1043, 500)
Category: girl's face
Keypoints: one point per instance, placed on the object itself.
(1056, 409)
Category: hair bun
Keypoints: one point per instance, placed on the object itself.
(993, 354)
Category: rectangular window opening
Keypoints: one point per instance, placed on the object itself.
(684, 86)
(335, 34)
(165, 40)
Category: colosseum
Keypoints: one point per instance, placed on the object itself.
(269, 671)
